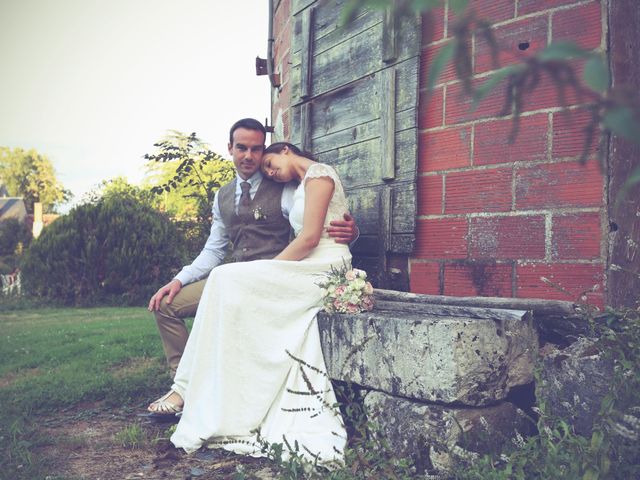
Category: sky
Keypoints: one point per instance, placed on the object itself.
(93, 84)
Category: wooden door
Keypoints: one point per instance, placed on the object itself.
(354, 105)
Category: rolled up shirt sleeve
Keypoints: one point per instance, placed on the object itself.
(213, 252)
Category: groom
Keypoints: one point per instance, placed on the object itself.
(250, 215)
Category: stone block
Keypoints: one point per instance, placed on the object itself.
(436, 437)
(573, 382)
(438, 353)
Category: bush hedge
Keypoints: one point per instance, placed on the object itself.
(116, 250)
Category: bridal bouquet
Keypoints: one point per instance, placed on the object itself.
(346, 290)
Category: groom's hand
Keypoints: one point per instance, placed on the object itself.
(343, 231)
(171, 289)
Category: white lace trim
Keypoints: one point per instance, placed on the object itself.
(338, 204)
(321, 170)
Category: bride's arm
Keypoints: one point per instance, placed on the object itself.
(317, 195)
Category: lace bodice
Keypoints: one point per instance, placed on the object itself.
(337, 205)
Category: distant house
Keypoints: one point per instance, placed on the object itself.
(12, 207)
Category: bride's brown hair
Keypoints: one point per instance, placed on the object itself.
(279, 146)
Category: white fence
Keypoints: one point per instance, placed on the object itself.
(11, 284)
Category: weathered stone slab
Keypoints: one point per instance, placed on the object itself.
(436, 436)
(556, 321)
(442, 353)
(573, 382)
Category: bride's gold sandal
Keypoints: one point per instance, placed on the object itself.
(163, 406)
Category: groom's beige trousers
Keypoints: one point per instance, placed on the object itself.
(170, 318)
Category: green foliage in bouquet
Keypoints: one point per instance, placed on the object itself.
(114, 250)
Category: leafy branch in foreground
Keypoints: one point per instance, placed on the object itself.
(612, 109)
(193, 168)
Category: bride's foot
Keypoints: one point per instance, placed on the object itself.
(169, 404)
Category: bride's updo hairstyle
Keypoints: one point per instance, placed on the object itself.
(279, 146)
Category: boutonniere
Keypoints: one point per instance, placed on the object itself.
(258, 214)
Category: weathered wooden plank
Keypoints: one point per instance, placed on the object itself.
(306, 52)
(362, 132)
(623, 273)
(384, 224)
(349, 61)
(544, 307)
(353, 160)
(305, 127)
(389, 35)
(298, 5)
(404, 207)
(443, 310)
(388, 122)
(329, 31)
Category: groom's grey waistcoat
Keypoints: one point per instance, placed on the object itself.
(255, 238)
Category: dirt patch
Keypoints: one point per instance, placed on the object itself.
(8, 379)
(99, 444)
(133, 366)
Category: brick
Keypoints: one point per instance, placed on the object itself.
(478, 191)
(511, 40)
(547, 94)
(575, 278)
(569, 134)
(508, 238)
(493, 11)
(431, 107)
(532, 6)
(473, 279)
(566, 184)
(445, 149)
(459, 105)
(580, 24)
(576, 236)
(430, 195)
(433, 26)
(427, 56)
(491, 141)
(441, 238)
(425, 278)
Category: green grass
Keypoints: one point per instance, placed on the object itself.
(53, 359)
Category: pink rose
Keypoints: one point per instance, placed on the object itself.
(351, 308)
(350, 275)
(367, 303)
(368, 288)
(340, 290)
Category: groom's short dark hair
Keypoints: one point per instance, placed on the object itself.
(249, 124)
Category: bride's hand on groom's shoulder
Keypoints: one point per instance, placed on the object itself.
(170, 290)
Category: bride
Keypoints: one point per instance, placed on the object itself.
(252, 370)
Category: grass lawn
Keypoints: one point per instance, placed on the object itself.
(52, 360)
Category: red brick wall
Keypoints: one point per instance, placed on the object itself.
(494, 218)
(281, 97)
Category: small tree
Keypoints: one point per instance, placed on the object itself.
(30, 175)
(186, 174)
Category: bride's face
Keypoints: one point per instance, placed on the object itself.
(277, 166)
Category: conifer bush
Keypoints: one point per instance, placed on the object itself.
(115, 250)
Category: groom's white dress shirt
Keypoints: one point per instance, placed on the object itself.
(215, 248)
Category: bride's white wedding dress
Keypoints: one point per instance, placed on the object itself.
(237, 373)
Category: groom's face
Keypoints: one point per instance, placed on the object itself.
(246, 151)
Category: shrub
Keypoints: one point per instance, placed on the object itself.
(15, 236)
(114, 250)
